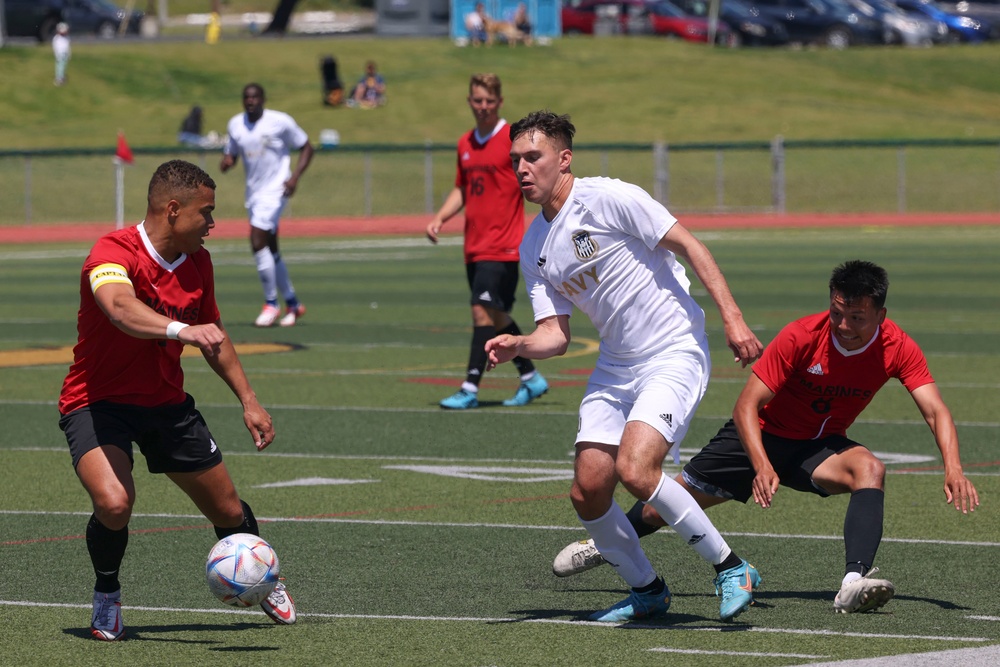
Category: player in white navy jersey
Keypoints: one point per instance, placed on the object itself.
(612, 251)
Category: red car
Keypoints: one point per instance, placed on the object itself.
(637, 17)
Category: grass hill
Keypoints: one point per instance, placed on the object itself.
(618, 89)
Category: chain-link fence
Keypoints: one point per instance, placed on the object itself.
(56, 186)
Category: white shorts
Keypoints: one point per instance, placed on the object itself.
(264, 213)
(663, 392)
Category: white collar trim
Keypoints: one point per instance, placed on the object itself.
(155, 255)
(481, 139)
(851, 353)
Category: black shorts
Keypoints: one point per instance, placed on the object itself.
(723, 468)
(493, 284)
(172, 438)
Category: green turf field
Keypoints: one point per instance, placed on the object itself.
(411, 536)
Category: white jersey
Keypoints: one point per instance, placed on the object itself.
(265, 148)
(60, 46)
(600, 254)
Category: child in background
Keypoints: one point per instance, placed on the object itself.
(60, 47)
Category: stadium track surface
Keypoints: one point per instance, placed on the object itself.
(414, 225)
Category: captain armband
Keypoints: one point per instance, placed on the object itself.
(104, 274)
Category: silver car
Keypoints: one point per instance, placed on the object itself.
(901, 27)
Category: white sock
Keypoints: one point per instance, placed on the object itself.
(615, 538)
(283, 282)
(469, 387)
(849, 577)
(265, 269)
(683, 514)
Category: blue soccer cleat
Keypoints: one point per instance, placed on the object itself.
(460, 400)
(635, 607)
(528, 391)
(736, 586)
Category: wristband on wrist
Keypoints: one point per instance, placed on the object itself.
(174, 328)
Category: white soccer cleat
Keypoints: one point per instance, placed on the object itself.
(106, 623)
(268, 316)
(292, 316)
(279, 606)
(864, 594)
(576, 558)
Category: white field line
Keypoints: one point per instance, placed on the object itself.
(752, 654)
(487, 619)
(473, 413)
(685, 452)
(494, 526)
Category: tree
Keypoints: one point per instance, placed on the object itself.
(282, 15)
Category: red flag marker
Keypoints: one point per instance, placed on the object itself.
(123, 152)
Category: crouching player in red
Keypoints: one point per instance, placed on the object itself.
(145, 293)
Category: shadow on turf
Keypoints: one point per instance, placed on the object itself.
(765, 600)
(147, 632)
(482, 404)
(761, 598)
(671, 619)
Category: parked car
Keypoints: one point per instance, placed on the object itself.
(638, 17)
(753, 28)
(983, 10)
(831, 23)
(669, 20)
(901, 28)
(960, 28)
(38, 18)
(588, 17)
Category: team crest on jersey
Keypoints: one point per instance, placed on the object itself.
(584, 246)
(466, 156)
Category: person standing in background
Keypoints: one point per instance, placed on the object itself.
(264, 139)
(61, 50)
(486, 187)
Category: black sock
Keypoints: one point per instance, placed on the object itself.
(863, 529)
(732, 560)
(107, 549)
(249, 524)
(634, 515)
(477, 353)
(656, 587)
(524, 366)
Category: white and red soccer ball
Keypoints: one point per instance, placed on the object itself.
(242, 570)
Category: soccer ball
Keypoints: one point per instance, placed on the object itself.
(242, 570)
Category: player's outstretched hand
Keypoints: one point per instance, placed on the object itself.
(206, 337)
(960, 492)
(501, 349)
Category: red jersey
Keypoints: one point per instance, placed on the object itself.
(820, 388)
(494, 208)
(111, 365)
